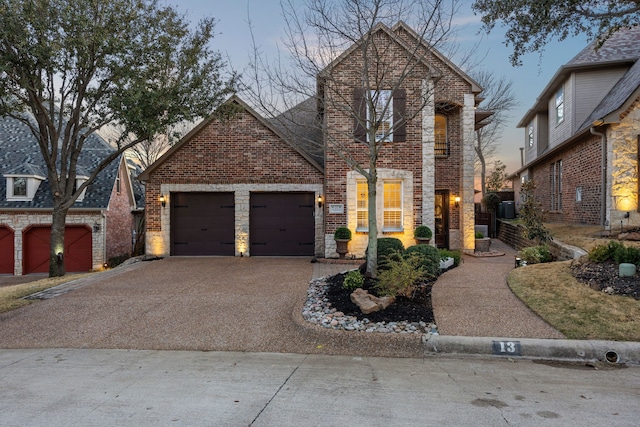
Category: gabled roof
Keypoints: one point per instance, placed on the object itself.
(393, 34)
(20, 154)
(622, 48)
(212, 117)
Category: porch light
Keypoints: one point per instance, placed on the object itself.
(457, 201)
(319, 200)
(163, 200)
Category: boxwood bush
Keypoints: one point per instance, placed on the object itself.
(429, 259)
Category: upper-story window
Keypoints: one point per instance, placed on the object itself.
(80, 179)
(560, 105)
(530, 136)
(22, 183)
(383, 110)
(441, 137)
(19, 185)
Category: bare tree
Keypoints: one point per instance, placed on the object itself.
(314, 77)
(500, 99)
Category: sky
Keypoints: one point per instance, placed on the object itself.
(233, 39)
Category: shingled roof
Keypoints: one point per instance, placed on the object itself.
(20, 155)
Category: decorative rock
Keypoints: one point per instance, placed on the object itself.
(370, 303)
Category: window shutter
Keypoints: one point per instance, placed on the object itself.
(399, 110)
(360, 108)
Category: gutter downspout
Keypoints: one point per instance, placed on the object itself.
(603, 167)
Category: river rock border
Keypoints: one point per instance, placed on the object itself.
(317, 309)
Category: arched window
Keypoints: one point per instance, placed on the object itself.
(441, 139)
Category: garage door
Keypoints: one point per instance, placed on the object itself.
(282, 224)
(6, 250)
(77, 249)
(202, 224)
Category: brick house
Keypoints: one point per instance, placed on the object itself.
(582, 136)
(99, 225)
(247, 185)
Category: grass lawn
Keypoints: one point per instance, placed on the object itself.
(571, 307)
(11, 297)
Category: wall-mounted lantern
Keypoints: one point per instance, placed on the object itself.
(319, 200)
(163, 200)
(456, 199)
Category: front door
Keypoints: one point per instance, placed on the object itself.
(441, 232)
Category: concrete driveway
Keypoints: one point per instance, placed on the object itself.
(211, 303)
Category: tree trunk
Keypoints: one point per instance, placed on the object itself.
(56, 248)
(372, 252)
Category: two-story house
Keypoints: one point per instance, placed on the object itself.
(247, 185)
(582, 134)
(99, 225)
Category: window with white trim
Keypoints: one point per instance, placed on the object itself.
(530, 135)
(440, 135)
(392, 206)
(19, 187)
(362, 206)
(556, 186)
(382, 116)
(560, 105)
(22, 188)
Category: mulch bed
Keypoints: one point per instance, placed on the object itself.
(604, 276)
(417, 309)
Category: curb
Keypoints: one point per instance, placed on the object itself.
(614, 352)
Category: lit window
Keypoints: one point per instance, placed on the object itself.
(20, 187)
(440, 134)
(383, 118)
(362, 206)
(560, 105)
(392, 206)
(530, 136)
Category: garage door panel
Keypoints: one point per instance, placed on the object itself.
(282, 224)
(202, 224)
(78, 245)
(6, 250)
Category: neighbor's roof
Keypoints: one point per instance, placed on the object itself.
(20, 155)
(623, 47)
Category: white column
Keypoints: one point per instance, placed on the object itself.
(468, 159)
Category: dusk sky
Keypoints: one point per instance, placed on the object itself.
(234, 40)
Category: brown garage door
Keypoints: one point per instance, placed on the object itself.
(6, 250)
(202, 224)
(77, 249)
(282, 224)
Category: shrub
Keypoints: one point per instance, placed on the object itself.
(627, 254)
(353, 280)
(422, 232)
(536, 254)
(602, 253)
(342, 233)
(479, 235)
(388, 246)
(429, 258)
(456, 255)
(401, 275)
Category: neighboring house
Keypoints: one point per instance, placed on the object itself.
(247, 186)
(582, 136)
(99, 225)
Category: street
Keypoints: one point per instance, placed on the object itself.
(63, 387)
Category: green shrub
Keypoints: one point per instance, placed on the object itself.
(401, 275)
(429, 257)
(456, 255)
(536, 254)
(342, 233)
(479, 235)
(388, 246)
(616, 252)
(422, 232)
(353, 280)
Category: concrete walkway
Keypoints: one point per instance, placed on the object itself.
(475, 300)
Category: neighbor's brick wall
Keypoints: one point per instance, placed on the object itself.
(119, 218)
(581, 167)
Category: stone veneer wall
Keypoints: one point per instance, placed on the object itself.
(21, 221)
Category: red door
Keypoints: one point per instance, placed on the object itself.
(77, 249)
(6, 250)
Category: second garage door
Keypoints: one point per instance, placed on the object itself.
(282, 224)
(202, 224)
(6, 250)
(77, 249)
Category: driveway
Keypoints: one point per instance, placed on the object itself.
(211, 303)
